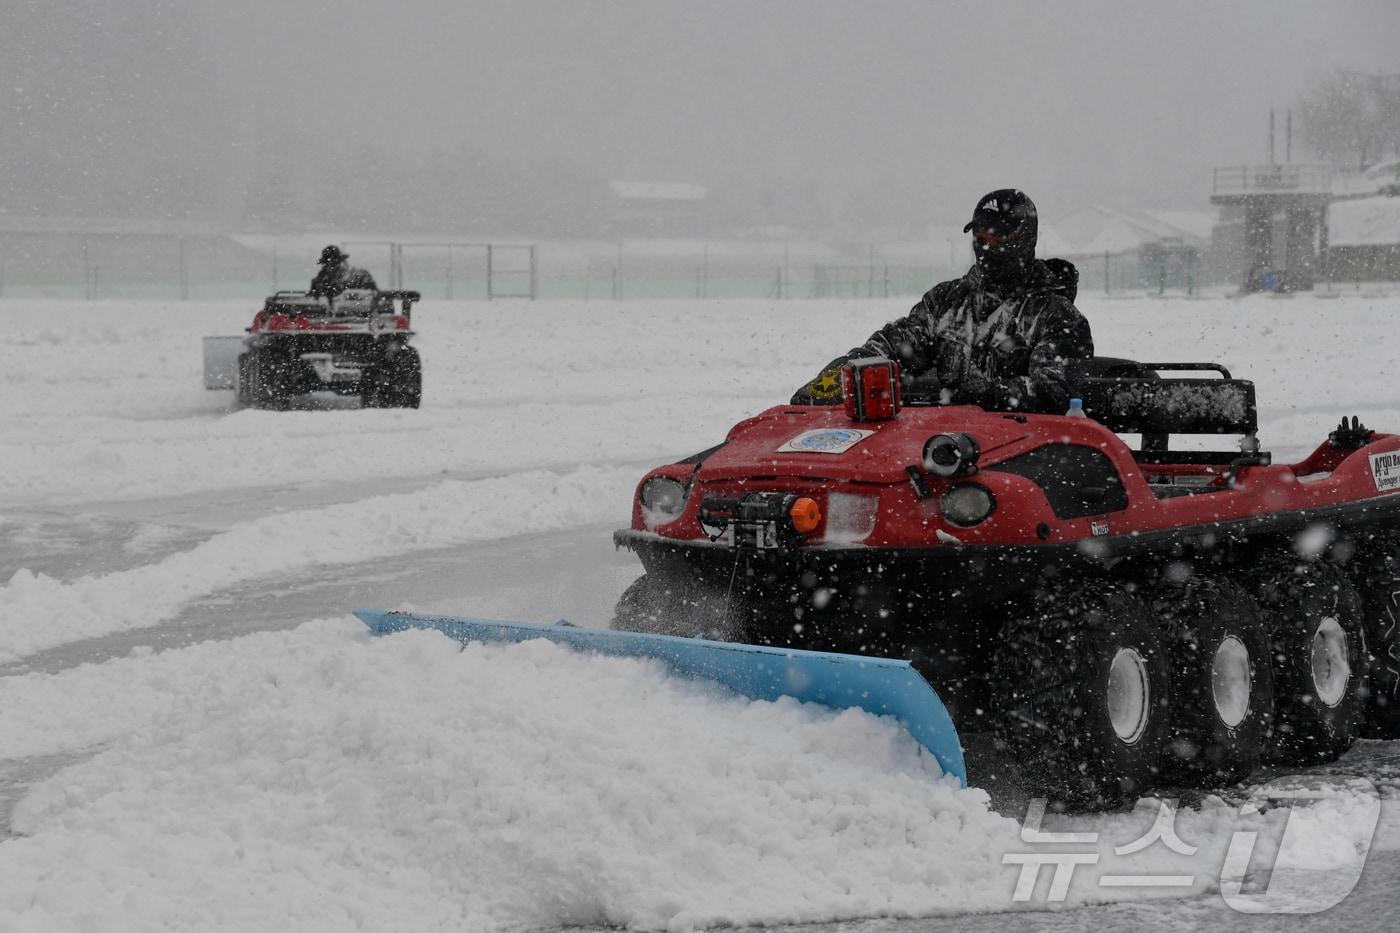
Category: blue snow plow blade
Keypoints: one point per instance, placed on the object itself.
(882, 686)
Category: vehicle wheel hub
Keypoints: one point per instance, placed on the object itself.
(1330, 670)
(1129, 695)
(1231, 680)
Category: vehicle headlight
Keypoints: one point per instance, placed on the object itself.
(951, 454)
(850, 517)
(968, 504)
(663, 497)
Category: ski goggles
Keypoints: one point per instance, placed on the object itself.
(989, 237)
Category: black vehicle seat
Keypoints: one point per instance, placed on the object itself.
(1130, 397)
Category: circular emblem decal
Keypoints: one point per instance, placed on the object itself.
(834, 439)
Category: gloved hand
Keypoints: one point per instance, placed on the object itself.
(926, 388)
(975, 387)
(825, 388)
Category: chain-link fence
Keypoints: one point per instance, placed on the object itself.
(174, 267)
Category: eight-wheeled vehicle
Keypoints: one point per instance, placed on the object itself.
(356, 343)
(1118, 615)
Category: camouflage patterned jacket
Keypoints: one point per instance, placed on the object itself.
(1006, 347)
(334, 279)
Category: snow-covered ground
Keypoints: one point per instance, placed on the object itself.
(196, 736)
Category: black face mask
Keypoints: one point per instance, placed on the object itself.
(1005, 262)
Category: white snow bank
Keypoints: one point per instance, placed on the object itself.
(321, 779)
(38, 612)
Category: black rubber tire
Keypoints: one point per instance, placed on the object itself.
(645, 606)
(1210, 622)
(242, 386)
(407, 379)
(1052, 676)
(1301, 602)
(395, 382)
(673, 605)
(267, 381)
(1374, 569)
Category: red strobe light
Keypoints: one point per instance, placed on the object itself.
(871, 386)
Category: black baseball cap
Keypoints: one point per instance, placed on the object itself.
(1003, 211)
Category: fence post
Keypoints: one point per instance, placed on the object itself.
(783, 284)
(1105, 272)
(490, 267)
(617, 274)
(534, 273)
(184, 269)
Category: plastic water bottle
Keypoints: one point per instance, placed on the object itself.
(1076, 409)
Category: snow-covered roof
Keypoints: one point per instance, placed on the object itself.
(1364, 222)
(658, 191)
(1095, 230)
(1373, 180)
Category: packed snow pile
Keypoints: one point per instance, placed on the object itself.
(320, 778)
(287, 542)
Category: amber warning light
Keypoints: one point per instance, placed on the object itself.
(871, 388)
(805, 516)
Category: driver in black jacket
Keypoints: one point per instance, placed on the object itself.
(1004, 336)
(337, 274)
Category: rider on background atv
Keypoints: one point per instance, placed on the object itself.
(1003, 336)
(337, 274)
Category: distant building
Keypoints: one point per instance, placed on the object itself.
(1288, 225)
(1140, 249)
(1363, 239)
(656, 209)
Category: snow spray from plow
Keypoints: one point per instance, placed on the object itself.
(881, 686)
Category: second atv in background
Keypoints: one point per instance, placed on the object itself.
(355, 343)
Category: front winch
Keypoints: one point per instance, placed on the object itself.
(760, 519)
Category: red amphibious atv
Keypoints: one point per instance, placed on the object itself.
(1118, 616)
(356, 343)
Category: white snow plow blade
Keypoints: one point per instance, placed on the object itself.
(221, 361)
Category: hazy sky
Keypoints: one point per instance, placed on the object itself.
(1120, 101)
(912, 108)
